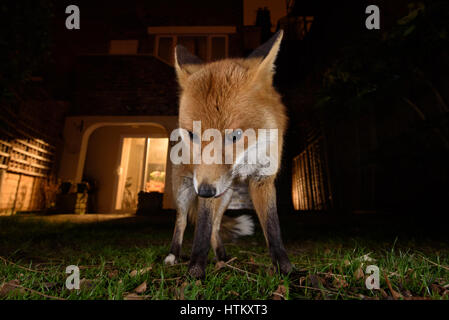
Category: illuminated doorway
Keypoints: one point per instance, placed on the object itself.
(142, 168)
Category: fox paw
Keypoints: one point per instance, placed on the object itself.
(197, 271)
(170, 259)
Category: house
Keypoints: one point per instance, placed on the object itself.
(115, 75)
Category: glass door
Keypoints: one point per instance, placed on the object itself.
(142, 168)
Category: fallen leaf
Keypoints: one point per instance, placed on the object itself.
(145, 270)
(359, 274)
(141, 288)
(383, 293)
(183, 287)
(346, 263)
(396, 295)
(10, 287)
(133, 296)
(367, 258)
(140, 272)
(340, 282)
(280, 292)
(112, 274)
(234, 293)
(219, 265)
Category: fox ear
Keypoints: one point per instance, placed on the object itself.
(185, 64)
(267, 54)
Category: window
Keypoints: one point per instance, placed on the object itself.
(142, 168)
(208, 43)
(196, 45)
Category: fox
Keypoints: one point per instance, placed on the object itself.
(229, 95)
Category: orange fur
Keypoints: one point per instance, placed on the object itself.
(227, 94)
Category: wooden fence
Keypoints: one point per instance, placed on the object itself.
(310, 186)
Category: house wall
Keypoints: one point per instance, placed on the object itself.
(77, 134)
(103, 160)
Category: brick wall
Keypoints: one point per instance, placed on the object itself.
(30, 134)
(124, 85)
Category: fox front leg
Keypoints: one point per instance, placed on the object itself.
(185, 197)
(263, 195)
(202, 238)
(221, 204)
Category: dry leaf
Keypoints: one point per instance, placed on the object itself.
(367, 258)
(233, 293)
(140, 272)
(346, 263)
(383, 293)
(132, 296)
(183, 287)
(10, 287)
(112, 274)
(219, 265)
(396, 295)
(198, 282)
(280, 292)
(340, 282)
(359, 274)
(145, 270)
(141, 288)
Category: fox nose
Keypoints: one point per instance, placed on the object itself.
(206, 190)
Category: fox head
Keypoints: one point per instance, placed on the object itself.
(235, 98)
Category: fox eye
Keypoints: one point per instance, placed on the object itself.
(234, 136)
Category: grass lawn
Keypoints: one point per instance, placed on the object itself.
(122, 259)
